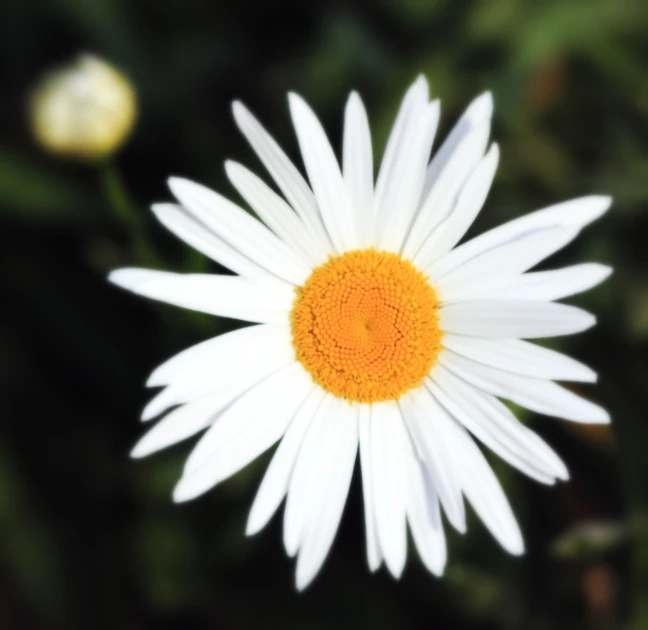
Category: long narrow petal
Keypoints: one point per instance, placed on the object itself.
(497, 266)
(388, 479)
(182, 423)
(477, 113)
(429, 441)
(242, 231)
(237, 346)
(520, 357)
(247, 409)
(400, 180)
(437, 205)
(227, 367)
(329, 494)
(506, 320)
(357, 167)
(546, 286)
(310, 462)
(494, 425)
(374, 555)
(470, 202)
(227, 296)
(276, 214)
(275, 482)
(481, 487)
(325, 176)
(423, 514)
(415, 99)
(282, 170)
(194, 233)
(265, 412)
(539, 395)
(574, 213)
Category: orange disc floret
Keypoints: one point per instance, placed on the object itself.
(366, 326)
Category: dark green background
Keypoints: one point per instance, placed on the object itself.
(90, 539)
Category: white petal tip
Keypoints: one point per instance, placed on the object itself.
(254, 524)
(421, 82)
(354, 99)
(239, 111)
(178, 184)
(185, 491)
(302, 581)
(140, 450)
(605, 271)
(155, 380)
(396, 570)
(598, 206)
(232, 168)
(481, 108)
(602, 418)
(150, 411)
(127, 278)
(296, 103)
(162, 207)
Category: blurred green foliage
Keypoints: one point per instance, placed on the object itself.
(91, 539)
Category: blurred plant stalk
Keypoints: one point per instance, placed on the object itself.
(86, 111)
(126, 212)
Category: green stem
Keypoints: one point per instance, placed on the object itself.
(127, 213)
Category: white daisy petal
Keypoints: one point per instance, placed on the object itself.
(539, 395)
(330, 495)
(415, 99)
(227, 296)
(374, 555)
(230, 367)
(276, 214)
(481, 487)
(325, 176)
(403, 168)
(245, 411)
(574, 213)
(282, 170)
(182, 423)
(242, 231)
(520, 357)
(262, 416)
(423, 514)
(194, 233)
(436, 206)
(494, 425)
(419, 409)
(507, 319)
(357, 167)
(497, 266)
(470, 202)
(274, 486)
(307, 472)
(477, 113)
(547, 285)
(243, 346)
(388, 437)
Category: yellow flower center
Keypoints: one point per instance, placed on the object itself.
(366, 326)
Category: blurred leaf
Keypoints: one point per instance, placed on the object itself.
(30, 191)
(589, 540)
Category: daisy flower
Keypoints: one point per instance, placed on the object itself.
(375, 332)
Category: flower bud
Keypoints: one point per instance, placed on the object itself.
(84, 110)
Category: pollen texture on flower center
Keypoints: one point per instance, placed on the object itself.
(366, 327)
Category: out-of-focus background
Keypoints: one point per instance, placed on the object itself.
(90, 539)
